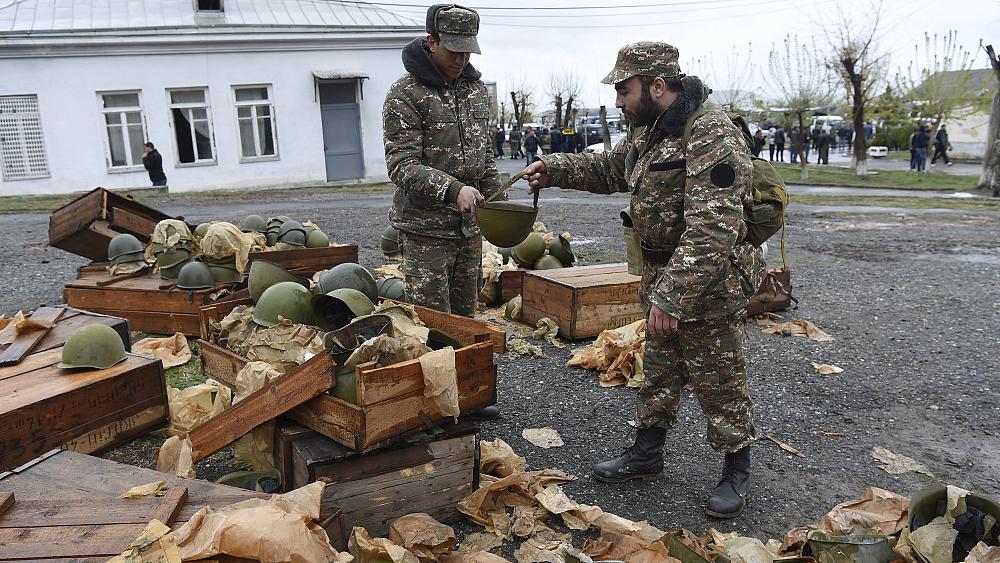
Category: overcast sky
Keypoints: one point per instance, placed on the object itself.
(530, 44)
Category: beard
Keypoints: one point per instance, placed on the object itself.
(646, 112)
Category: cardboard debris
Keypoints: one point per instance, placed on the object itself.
(441, 381)
(175, 457)
(877, 512)
(983, 553)
(826, 369)
(796, 327)
(786, 447)
(154, 545)
(517, 347)
(126, 268)
(479, 542)
(935, 540)
(192, 406)
(421, 534)
(12, 327)
(386, 350)
(390, 271)
(897, 464)
(284, 346)
(616, 354)
(499, 459)
(236, 329)
(281, 528)
(171, 350)
(544, 438)
(547, 329)
(747, 550)
(517, 489)
(405, 320)
(472, 557)
(365, 549)
(155, 489)
(257, 447)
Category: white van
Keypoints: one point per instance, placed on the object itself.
(829, 123)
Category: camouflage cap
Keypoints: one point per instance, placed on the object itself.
(646, 58)
(456, 25)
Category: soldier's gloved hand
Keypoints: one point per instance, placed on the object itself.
(468, 197)
(537, 176)
(660, 323)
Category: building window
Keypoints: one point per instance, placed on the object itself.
(209, 5)
(191, 118)
(255, 119)
(126, 129)
(22, 148)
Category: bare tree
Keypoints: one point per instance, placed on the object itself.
(564, 88)
(987, 178)
(799, 82)
(937, 79)
(729, 77)
(858, 61)
(522, 97)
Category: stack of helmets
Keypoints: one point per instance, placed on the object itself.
(315, 238)
(201, 229)
(125, 248)
(264, 274)
(284, 300)
(348, 274)
(535, 253)
(390, 288)
(223, 268)
(343, 293)
(253, 224)
(273, 226)
(291, 235)
(390, 243)
(195, 275)
(529, 251)
(173, 246)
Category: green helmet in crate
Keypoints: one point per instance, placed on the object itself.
(253, 223)
(195, 275)
(317, 239)
(336, 309)
(348, 274)
(125, 248)
(264, 274)
(285, 299)
(292, 232)
(390, 288)
(94, 346)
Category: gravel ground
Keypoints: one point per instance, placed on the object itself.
(911, 300)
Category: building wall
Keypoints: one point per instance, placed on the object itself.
(968, 136)
(75, 136)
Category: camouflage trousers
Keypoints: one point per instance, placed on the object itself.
(708, 356)
(442, 274)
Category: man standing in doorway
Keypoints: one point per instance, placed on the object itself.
(439, 154)
(687, 205)
(153, 163)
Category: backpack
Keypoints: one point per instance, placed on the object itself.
(766, 215)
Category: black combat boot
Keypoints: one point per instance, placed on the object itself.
(644, 460)
(733, 491)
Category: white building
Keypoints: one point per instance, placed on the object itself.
(233, 93)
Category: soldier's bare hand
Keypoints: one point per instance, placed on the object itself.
(660, 323)
(537, 176)
(468, 197)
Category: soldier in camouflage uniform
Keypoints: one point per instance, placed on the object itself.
(439, 152)
(687, 205)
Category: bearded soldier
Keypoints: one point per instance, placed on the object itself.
(439, 152)
(687, 205)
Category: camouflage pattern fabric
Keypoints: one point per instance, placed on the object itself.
(457, 26)
(646, 58)
(428, 262)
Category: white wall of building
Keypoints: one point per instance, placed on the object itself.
(968, 135)
(75, 135)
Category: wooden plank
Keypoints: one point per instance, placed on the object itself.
(286, 434)
(333, 418)
(25, 341)
(448, 497)
(407, 484)
(128, 296)
(6, 501)
(274, 399)
(170, 505)
(219, 363)
(73, 319)
(381, 384)
(32, 363)
(511, 284)
(80, 512)
(154, 322)
(446, 514)
(127, 220)
(66, 541)
(464, 329)
(76, 215)
(312, 259)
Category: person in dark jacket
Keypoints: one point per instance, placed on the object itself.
(556, 139)
(920, 141)
(758, 142)
(153, 163)
(796, 142)
(941, 147)
(779, 144)
(823, 147)
(530, 144)
(498, 139)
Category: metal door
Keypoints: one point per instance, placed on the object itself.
(341, 116)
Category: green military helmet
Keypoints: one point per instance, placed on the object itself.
(123, 248)
(346, 388)
(530, 250)
(264, 274)
(547, 262)
(932, 502)
(390, 243)
(253, 223)
(336, 309)
(855, 548)
(195, 275)
(390, 288)
(286, 299)
(170, 258)
(271, 238)
(225, 274)
(201, 230)
(505, 223)
(93, 346)
(292, 232)
(342, 342)
(560, 248)
(348, 274)
(317, 239)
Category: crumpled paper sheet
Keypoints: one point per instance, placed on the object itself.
(386, 350)
(548, 330)
(493, 266)
(897, 464)
(285, 346)
(517, 489)
(422, 534)
(796, 327)
(226, 239)
(159, 235)
(171, 350)
(544, 438)
(12, 327)
(377, 550)
(576, 516)
(257, 447)
(826, 369)
(478, 542)
(389, 271)
(471, 557)
(441, 381)
(616, 354)
(154, 489)
(614, 546)
(175, 457)
(878, 512)
(983, 553)
(747, 550)
(935, 540)
(125, 268)
(498, 459)
(281, 528)
(404, 320)
(236, 329)
(154, 545)
(795, 538)
(192, 406)
(518, 347)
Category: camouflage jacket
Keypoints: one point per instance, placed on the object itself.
(687, 203)
(437, 139)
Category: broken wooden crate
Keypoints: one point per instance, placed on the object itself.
(307, 261)
(87, 224)
(390, 399)
(430, 473)
(87, 410)
(583, 300)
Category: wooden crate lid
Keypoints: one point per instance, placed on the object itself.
(70, 321)
(586, 276)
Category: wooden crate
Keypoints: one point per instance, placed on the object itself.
(307, 261)
(44, 407)
(149, 302)
(582, 300)
(87, 224)
(390, 398)
(510, 284)
(217, 310)
(430, 474)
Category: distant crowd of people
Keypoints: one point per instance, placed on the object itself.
(920, 143)
(775, 140)
(533, 142)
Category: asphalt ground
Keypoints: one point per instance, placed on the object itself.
(910, 298)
